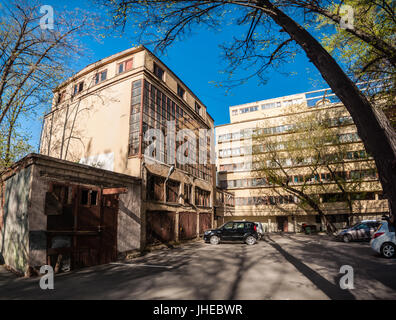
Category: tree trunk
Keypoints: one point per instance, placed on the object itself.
(373, 127)
(7, 156)
(344, 192)
(330, 227)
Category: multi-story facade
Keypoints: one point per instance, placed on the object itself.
(102, 117)
(277, 209)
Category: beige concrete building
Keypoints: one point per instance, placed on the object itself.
(278, 210)
(101, 117)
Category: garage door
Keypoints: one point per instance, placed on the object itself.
(187, 225)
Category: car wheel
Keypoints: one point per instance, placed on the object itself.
(214, 240)
(388, 250)
(346, 238)
(250, 240)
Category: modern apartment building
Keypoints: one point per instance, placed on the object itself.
(103, 117)
(277, 209)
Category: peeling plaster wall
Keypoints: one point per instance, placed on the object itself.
(14, 233)
(37, 220)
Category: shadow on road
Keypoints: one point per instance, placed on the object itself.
(333, 291)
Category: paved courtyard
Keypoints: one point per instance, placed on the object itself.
(285, 266)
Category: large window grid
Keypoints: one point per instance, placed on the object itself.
(202, 197)
(158, 108)
(134, 122)
(363, 175)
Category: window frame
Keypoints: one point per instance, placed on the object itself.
(98, 76)
(198, 108)
(61, 97)
(76, 88)
(157, 67)
(123, 64)
(180, 89)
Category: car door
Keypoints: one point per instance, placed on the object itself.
(363, 231)
(227, 232)
(239, 231)
(373, 227)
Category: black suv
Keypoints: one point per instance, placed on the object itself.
(245, 231)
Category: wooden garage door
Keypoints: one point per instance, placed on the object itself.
(160, 226)
(187, 225)
(87, 219)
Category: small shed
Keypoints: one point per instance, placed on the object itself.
(66, 214)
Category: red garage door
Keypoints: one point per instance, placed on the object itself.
(187, 225)
(205, 222)
(160, 226)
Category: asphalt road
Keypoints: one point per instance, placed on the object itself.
(280, 267)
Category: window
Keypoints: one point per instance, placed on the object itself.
(240, 225)
(155, 188)
(61, 97)
(159, 72)
(101, 76)
(89, 197)
(202, 197)
(78, 88)
(134, 121)
(153, 107)
(187, 193)
(172, 191)
(61, 193)
(94, 198)
(84, 197)
(197, 108)
(229, 226)
(180, 91)
(271, 105)
(125, 66)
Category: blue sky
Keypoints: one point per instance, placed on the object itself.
(197, 61)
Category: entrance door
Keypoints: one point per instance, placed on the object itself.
(239, 230)
(108, 228)
(82, 225)
(282, 223)
(87, 225)
(228, 232)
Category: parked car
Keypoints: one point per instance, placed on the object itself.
(260, 230)
(363, 230)
(245, 231)
(384, 241)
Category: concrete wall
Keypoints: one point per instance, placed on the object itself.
(94, 124)
(23, 222)
(14, 220)
(130, 220)
(37, 219)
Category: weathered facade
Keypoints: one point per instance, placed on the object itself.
(66, 214)
(278, 210)
(102, 116)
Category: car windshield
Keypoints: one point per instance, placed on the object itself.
(222, 226)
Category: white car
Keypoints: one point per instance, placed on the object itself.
(384, 241)
(260, 229)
